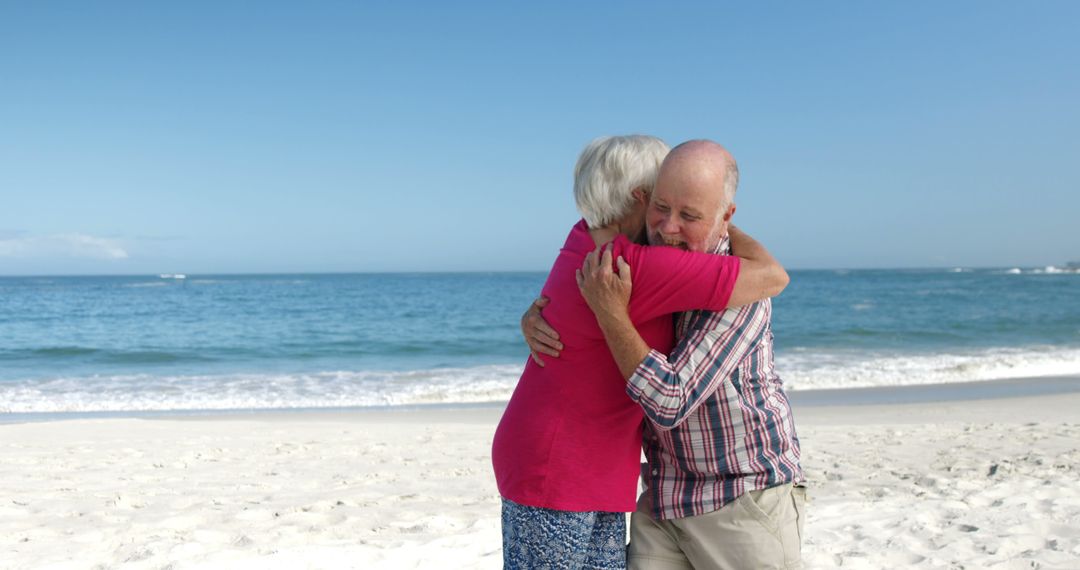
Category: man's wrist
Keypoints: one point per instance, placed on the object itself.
(610, 321)
(627, 346)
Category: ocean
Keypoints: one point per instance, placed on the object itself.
(76, 345)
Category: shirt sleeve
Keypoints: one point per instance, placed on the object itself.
(669, 280)
(669, 389)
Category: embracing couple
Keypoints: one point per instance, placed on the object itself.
(665, 348)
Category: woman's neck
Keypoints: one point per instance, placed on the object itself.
(600, 236)
(607, 233)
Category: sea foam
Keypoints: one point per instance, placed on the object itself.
(800, 370)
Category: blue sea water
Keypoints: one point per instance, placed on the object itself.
(124, 344)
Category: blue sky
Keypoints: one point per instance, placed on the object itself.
(231, 137)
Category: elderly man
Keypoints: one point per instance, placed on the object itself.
(723, 481)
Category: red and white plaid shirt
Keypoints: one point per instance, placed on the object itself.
(719, 423)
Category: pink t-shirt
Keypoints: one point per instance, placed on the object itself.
(570, 438)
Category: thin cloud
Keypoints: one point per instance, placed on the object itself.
(61, 245)
(6, 234)
(167, 238)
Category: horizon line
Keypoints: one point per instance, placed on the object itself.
(478, 271)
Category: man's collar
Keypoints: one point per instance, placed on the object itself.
(724, 247)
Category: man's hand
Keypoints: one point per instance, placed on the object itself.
(541, 338)
(606, 292)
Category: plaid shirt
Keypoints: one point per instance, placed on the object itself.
(719, 421)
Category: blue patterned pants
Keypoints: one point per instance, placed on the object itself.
(536, 538)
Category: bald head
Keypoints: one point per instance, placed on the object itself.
(693, 200)
(708, 163)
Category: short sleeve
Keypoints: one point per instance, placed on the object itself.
(669, 280)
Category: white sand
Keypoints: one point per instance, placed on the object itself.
(981, 484)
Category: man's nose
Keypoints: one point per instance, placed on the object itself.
(668, 225)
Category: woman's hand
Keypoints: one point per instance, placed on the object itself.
(606, 292)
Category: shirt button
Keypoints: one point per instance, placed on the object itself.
(655, 471)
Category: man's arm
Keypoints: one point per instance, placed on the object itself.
(668, 389)
(608, 296)
(541, 338)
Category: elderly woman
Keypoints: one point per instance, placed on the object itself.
(566, 452)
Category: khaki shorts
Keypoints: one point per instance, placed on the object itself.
(759, 530)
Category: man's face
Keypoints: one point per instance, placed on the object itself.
(685, 212)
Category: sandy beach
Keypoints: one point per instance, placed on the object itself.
(961, 483)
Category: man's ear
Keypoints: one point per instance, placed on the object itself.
(729, 214)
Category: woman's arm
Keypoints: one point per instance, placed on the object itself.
(761, 276)
(670, 280)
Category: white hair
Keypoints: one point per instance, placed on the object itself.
(609, 170)
(731, 183)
